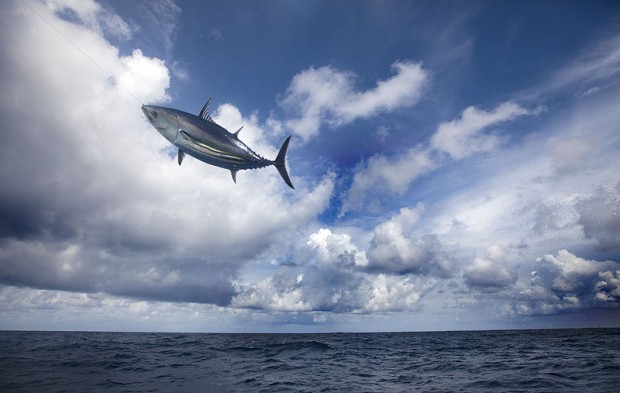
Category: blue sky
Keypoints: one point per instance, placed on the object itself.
(455, 164)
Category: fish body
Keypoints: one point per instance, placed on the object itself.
(204, 139)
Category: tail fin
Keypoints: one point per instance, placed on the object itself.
(279, 163)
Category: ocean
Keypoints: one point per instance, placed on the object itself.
(575, 360)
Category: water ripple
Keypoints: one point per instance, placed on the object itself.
(585, 360)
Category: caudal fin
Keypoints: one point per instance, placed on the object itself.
(279, 163)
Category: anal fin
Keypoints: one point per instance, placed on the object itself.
(234, 175)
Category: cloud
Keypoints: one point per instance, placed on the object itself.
(463, 137)
(144, 76)
(98, 214)
(180, 69)
(281, 292)
(393, 293)
(489, 274)
(595, 69)
(550, 218)
(103, 312)
(158, 21)
(570, 154)
(332, 274)
(608, 288)
(326, 95)
(93, 16)
(85, 268)
(599, 216)
(534, 194)
(331, 290)
(325, 276)
(385, 175)
(572, 275)
(334, 248)
(530, 198)
(541, 193)
(566, 281)
(563, 283)
(96, 203)
(458, 139)
(393, 248)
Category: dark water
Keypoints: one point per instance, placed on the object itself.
(585, 360)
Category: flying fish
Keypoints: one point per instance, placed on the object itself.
(202, 138)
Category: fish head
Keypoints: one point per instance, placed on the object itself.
(165, 120)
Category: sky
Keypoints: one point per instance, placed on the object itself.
(456, 166)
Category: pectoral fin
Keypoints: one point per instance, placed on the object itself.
(180, 156)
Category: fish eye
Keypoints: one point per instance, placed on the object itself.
(154, 114)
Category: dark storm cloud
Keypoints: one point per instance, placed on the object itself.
(73, 267)
(566, 282)
(41, 169)
(569, 275)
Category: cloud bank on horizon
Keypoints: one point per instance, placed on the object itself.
(422, 202)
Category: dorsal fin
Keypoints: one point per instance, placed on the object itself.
(238, 131)
(204, 112)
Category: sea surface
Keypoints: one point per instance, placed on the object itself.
(574, 360)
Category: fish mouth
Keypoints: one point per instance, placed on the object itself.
(146, 112)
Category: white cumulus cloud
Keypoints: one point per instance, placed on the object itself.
(327, 95)
(393, 293)
(465, 136)
(334, 248)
